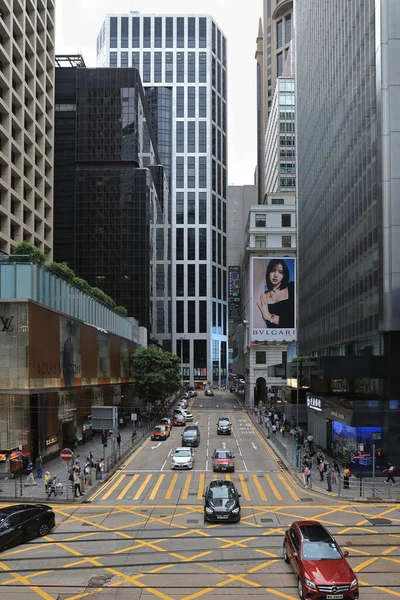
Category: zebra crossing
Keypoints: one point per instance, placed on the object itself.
(175, 487)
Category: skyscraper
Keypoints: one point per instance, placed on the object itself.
(348, 152)
(182, 60)
(26, 124)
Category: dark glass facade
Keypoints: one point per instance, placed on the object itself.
(111, 197)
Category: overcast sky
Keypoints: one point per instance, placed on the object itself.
(78, 23)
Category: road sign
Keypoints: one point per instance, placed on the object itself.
(66, 454)
(133, 417)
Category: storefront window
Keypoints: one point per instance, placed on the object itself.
(354, 444)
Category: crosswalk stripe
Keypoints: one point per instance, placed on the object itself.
(156, 487)
(171, 487)
(128, 486)
(259, 488)
(200, 489)
(244, 487)
(142, 487)
(113, 487)
(289, 489)
(228, 476)
(273, 487)
(186, 487)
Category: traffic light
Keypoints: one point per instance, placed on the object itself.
(379, 453)
(104, 439)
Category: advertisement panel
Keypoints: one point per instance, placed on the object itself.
(273, 301)
(234, 293)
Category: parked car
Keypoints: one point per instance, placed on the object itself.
(319, 563)
(22, 522)
(160, 432)
(178, 420)
(187, 415)
(166, 422)
(193, 394)
(185, 396)
(221, 502)
(182, 403)
(224, 426)
(223, 460)
(182, 458)
(209, 392)
(191, 436)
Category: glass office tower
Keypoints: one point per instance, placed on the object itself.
(184, 58)
(348, 152)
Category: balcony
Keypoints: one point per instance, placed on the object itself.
(282, 8)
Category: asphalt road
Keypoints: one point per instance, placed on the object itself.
(142, 534)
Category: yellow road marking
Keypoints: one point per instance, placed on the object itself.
(259, 567)
(365, 564)
(273, 487)
(380, 588)
(128, 486)
(81, 536)
(198, 594)
(85, 594)
(259, 488)
(389, 550)
(171, 487)
(200, 489)
(228, 476)
(36, 574)
(186, 487)
(156, 487)
(113, 487)
(241, 577)
(25, 581)
(142, 487)
(281, 594)
(287, 486)
(245, 489)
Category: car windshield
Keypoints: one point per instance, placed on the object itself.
(158, 429)
(321, 551)
(223, 492)
(181, 453)
(223, 455)
(224, 422)
(190, 434)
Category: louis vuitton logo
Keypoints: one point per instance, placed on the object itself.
(6, 323)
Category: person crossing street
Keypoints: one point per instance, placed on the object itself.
(390, 471)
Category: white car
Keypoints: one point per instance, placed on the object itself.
(182, 458)
(188, 416)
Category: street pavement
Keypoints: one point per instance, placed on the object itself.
(142, 535)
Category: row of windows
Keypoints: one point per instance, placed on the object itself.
(260, 241)
(191, 101)
(261, 219)
(219, 213)
(196, 208)
(286, 126)
(191, 317)
(288, 31)
(165, 67)
(187, 278)
(196, 167)
(287, 182)
(218, 249)
(173, 32)
(194, 138)
(190, 235)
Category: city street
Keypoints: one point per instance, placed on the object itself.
(142, 534)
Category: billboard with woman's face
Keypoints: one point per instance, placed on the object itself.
(273, 304)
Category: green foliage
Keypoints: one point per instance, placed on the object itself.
(157, 373)
(82, 284)
(121, 310)
(103, 297)
(62, 270)
(31, 252)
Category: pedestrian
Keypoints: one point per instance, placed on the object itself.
(119, 440)
(306, 476)
(51, 487)
(335, 473)
(320, 456)
(77, 485)
(101, 469)
(329, 471)
(78, 462)
(390, 471)
(47, 478)
(29, 471)
(274, 428)
(7, 468)
(346, 477)
(283, 430)
(321, 469)
(39, 468)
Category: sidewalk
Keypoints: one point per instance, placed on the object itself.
(360, 490)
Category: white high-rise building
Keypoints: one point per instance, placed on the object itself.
(26, 123)
(182, 61)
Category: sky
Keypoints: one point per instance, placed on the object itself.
(78, 23)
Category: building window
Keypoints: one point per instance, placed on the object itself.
(279, 64)
(169, 32)
(286, 241)
(113, 32)
(202, 208)
(191, 173)
(286, 220)
(279, 34)
(180, 67)
(180, 136)
(203, 32)
(202, 320)
(202, 67)
(169, 67)
(260, 241)
(180, 101)
(179, 243)
(113, 59)
(191, 67)
(191, 32)
(202, 172)
(277, 201)
(191, 136)
(191, 283)
(135, 32)
(179, 281)
(124, 32)
(136, 60)
(191, 208)
(146, 67)
(158, 32)
(269, 8)
(180, 172)
(179, 208)
(203, 102)
(179, 316)
(202, 280)
(191, 242)
(261, 358)
(180, 32)
(124, 59)
(191, 316)
(261, 220)
(147, 32)
(157, 67)
(191, 106)
(288, 29)
(202, 136)
(202, 243)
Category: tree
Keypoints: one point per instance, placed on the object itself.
(28, 251)
(121, 310)
(62, 270)
(157, 373)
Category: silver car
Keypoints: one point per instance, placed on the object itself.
(181, 411)
(182, 458)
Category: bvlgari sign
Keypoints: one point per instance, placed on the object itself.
(6, 324)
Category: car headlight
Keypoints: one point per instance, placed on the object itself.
(236, 510)
(209, 510)
(310, 584)
(354, 583)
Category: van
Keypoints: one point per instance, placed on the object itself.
(191, 436)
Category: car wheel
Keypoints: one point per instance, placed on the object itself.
(300, 589)
(285, 554)
(43, 529)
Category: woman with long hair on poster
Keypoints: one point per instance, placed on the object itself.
(277, 302)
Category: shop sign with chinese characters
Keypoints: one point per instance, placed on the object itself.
(314, 403)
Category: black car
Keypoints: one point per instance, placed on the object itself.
(191, 436)
(224, 426)
(221, 502)
(22, 522)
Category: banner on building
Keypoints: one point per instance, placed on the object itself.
(234, 293)
(273, 300)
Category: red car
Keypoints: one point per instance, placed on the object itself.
(166, 422)
(179, 420)
(319, 563)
